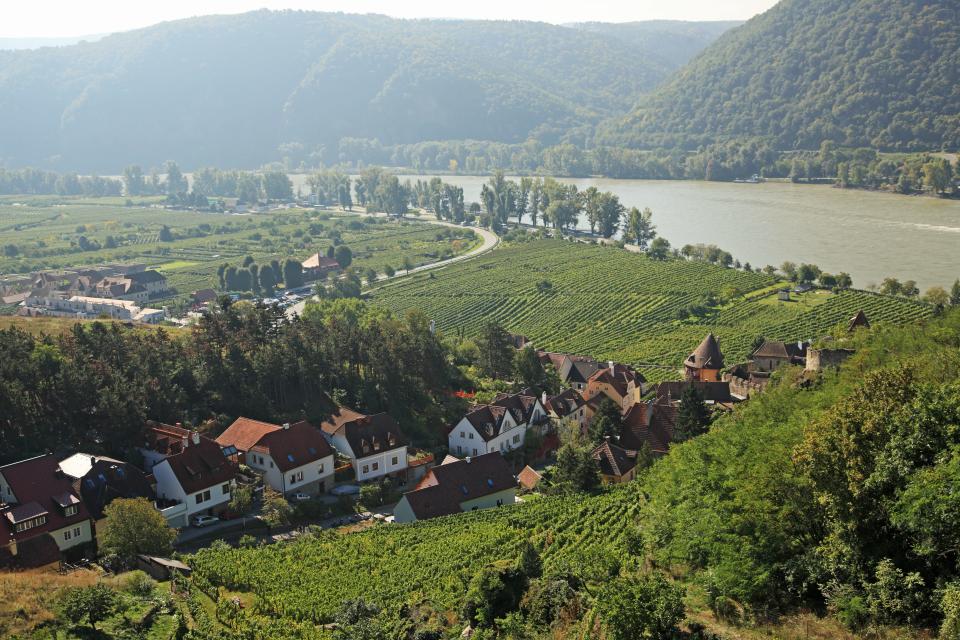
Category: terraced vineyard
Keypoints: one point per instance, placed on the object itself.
(613, 304)
(427, 563)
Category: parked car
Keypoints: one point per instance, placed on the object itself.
(202, 521)
(300, 497)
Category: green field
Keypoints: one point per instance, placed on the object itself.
(613, 304)
(428, 564)
(45, 233)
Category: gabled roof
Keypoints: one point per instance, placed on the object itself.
(619, 377)
(707, 355)
(373, 434)
(520, 405)
(565, 403)
(40, 489)
(782, 350)
(338, 418)
(244, 433)
(149, 276)
(859, 320)
(108, 480)
(319, 261)
(201, 466)
(578, 370)
(300, 444)
(650, 424)
(529, 477)
(487, 420)
(613, 460)
(165, 439)
(446, 487)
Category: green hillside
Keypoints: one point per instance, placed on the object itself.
(241, 90)
(858, 72)
(613, 304)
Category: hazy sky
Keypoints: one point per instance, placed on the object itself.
(65, 18)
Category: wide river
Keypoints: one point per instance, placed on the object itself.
(869, 235)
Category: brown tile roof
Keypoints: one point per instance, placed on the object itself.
(619, 378)
(201, 466)
(339, 417)
(244, 433)
(650, 424)
(529, 478)
(40, 488)
(711, 391)
(707, 355)
(38, 551)
(290, 448)
(782, 350)
(565, 403)
(108, 480)
(487, 420)
(614, 460)
(445, 487)
(165, 439)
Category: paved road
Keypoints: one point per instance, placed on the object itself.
(490, 241)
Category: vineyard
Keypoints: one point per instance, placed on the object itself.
(613, 304)
(426, 564)
(45, 235)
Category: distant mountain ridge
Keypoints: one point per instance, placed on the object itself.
(858, 72)
(241, 90)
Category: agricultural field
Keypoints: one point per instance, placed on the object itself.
(44, 233)
(427, 565)
(612, 304)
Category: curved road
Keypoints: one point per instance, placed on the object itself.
(490, 241)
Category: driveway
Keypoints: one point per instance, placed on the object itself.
(490, 241)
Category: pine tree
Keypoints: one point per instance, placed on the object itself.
(693, 417)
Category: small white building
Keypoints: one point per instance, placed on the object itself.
(91, 308)
(291, 458)
(374, 444)
(500, 426)
(457, 486)
(193, 474)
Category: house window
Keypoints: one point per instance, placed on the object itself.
(296, 477)
(206, 495)
(376, 465)
(499, 503)
(76, 532)
(516, 438)
(463, 434)
(70, 511)
(471, 436)
(226, 489)
(366, 469)
(320, 468)
(459, 450)
(394, 461)
(67, 535)
(474, 452)
(271, 464)
(199, 498)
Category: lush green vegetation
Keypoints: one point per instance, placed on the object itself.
(92, 387)
(613, 304)
(323, 79)
(861, 73)
(48, 233)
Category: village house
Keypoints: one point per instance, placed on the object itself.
(193, 474)
(137, 287)
(89, 308)
(618, 382)
(292, 458)
(705, 364)
(500, 426)
(457, 486)
(711, 392)
(568, 405)
(616, 464)
(773, 354)
(43, 518)
(317, 265)
(374, 444)
(648, 425)
(100, 480)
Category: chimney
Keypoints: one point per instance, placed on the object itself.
(800, 345)
(286, 425)
(179, 425)
(610, 363)
(543, 399)
(195, 437)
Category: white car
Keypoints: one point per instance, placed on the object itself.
(202, 521)
(300, 497)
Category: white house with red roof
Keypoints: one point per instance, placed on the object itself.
(292, 458)
(41, 515)
(194, 475)
(500, 426)
(375, 445)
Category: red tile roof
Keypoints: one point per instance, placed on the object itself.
(244, 433)
(529, 478)
(445, 487)
(614, 460)
(201, 466)
(650, 424)
(294, 447)
(338, 418)
(619, 378)
(165, 439)
(39, 487)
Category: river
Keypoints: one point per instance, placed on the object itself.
(869, 235)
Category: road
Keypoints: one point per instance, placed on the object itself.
(490, 241)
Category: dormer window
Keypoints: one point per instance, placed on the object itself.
(70, 511)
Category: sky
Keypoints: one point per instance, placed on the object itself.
(69, 18)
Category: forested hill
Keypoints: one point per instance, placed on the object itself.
(677, 41)
(874, 73)
(241, 90)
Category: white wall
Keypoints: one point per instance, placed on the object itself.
(281, 481)
(60, 535)
(460, 437)
(383, 461)
(169, 487)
